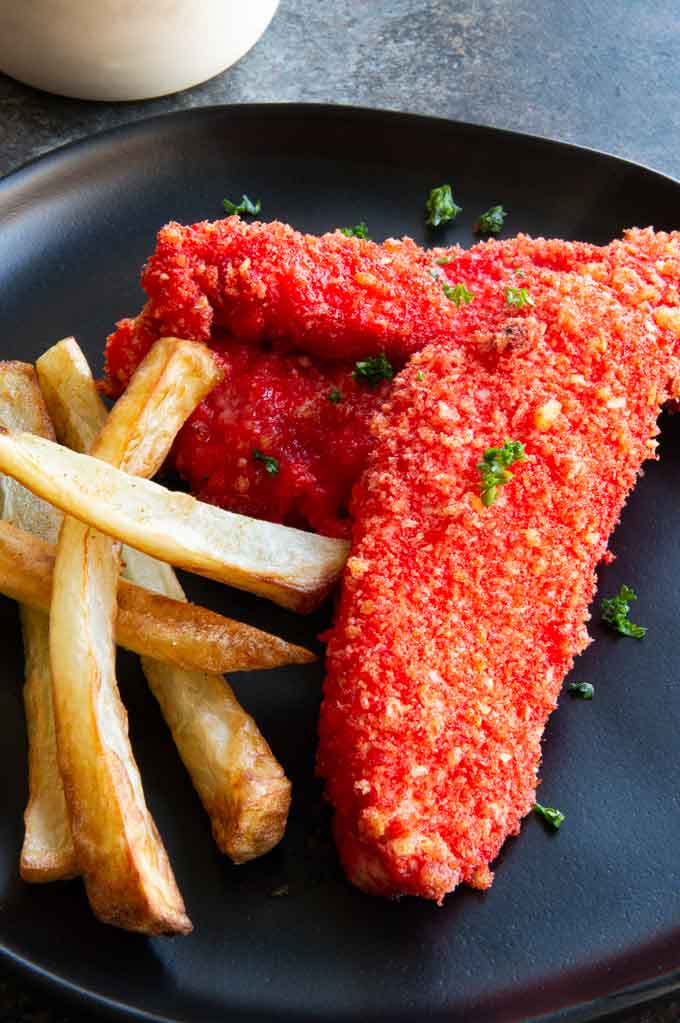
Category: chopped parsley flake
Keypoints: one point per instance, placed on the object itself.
(457, 293)
(246, 205)
(494, 468)
(582, 690)
(372, 370)
(518, 297)
(550, 815)
(444, 260)
(359, 230)
(615, 612)
(519, 272)
(440, 207)
(420, 375)
(335, 396)
(492, 221)
(271, 464)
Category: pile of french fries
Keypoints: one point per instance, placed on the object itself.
(78, 507)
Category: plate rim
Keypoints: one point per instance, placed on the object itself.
(645, 993)
(600, 1008)
(64, 150)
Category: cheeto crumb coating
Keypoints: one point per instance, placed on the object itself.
(287, 313)
(330, 296)
(336, 299)
(457, 622)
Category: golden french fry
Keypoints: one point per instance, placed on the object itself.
(240, 783)
(126, 870)
(47, 852)
(127, 874)
(291, 567)
(149, 623)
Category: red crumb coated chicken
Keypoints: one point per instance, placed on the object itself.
(331, 300)
(457, 622)
(333, 297)
(307, 412)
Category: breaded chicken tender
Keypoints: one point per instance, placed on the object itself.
(337, 300)
(287, 316)
(458, 622)
(333, 297)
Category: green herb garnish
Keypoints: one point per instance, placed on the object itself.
(550, 815)
(420, 375)
(271, 464)
(457, 293)
(492, 221)
(615, 612)
(372, 370)
(518, 297)
(335, 396)
(494, 468)
(444, 260)
(359, 230)
(246, 205)
(582, 690)
(440, 207)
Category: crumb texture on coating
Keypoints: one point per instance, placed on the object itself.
(457, 623)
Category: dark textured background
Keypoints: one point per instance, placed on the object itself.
(596, 73)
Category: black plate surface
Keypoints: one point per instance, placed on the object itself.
(577, 924)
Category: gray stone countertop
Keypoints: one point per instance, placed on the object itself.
(600, 73)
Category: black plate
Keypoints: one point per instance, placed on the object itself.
(577, 924)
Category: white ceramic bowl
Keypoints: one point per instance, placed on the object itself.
(126, 49)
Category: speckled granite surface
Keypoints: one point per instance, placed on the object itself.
(596, 73)
(601, 74)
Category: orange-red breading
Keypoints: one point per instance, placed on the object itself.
(338, 299)
(330, 296)
(268, 284)
(457, 623)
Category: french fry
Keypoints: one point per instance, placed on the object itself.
(76, 410)
(47, 852)
(291, 567)
(126, 870)
(149, 623)
(241, 785)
